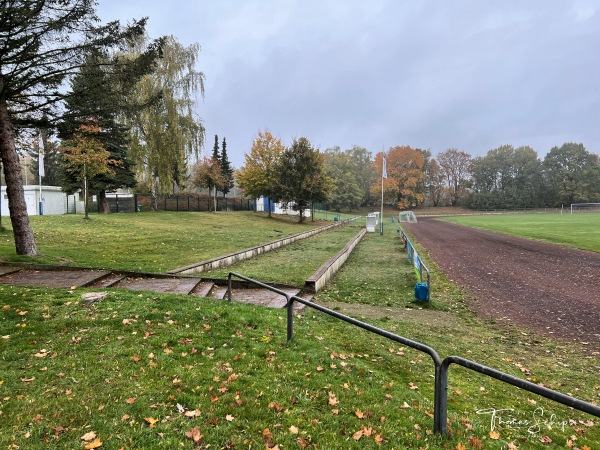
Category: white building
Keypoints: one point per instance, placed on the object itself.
(54, 201)
(263, 204)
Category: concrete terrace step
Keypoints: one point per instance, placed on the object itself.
(262, 297)
(108, 281)
(218, 292)
(59, 277)
(203, 289)
(163, 285)
(53, 279)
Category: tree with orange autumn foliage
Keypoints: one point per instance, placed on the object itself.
(208, 174)
(405, 176)
(85, 157)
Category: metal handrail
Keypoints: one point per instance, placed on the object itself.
(520, 383)
(439, 414)
(412, 253)
(440, 395)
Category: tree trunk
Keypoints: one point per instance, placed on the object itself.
(215, 199)
(154, 193)
(103, 202)
(23, 234)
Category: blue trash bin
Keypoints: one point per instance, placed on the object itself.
(421, 292)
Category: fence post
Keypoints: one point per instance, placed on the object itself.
(428, 285)
(440, 400)
(117, 202)
(229, 287)
(290, 317)
(188, 203)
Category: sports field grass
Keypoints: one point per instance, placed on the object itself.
(574, 230)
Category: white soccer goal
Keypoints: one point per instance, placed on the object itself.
(585, 207)
(407, 216)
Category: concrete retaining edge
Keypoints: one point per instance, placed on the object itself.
(231, 258)
(326, 272)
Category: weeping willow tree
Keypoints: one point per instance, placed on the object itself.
(167, 131)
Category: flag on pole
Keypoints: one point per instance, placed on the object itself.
(384, 171)
(41, 171)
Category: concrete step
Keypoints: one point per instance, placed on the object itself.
(108, 281)
(265, 297)
(203, 289)
(161, 285)
(177, 285)
(218, 292)
(53, 279)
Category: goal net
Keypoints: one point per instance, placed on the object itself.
(407, 216)
(585, 207)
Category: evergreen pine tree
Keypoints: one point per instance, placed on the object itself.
(226, 169)
(96, 95)
(216, 155)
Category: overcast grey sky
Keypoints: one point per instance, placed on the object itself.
(431, 74)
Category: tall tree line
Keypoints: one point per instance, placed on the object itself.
(517, 178)
(504, 178)
(214, 173)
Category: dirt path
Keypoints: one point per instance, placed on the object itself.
(546, 288)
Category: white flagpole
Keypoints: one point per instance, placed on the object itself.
(41, 171)
(383, 175)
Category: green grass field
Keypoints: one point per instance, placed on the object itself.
(296, 262)
(149, 242)
(574, 230)
(120, 367)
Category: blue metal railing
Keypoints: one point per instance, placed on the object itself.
(440, 401)
(417, 263)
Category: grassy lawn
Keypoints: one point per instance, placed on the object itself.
(573, 230)
(378, 273)
(141, 370)
(149, 242)
(296, 262)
